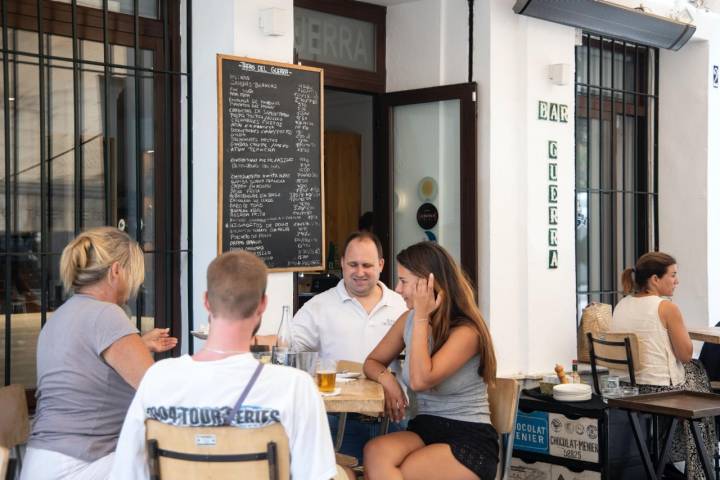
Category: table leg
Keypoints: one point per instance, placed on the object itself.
(342, 421)
(644, 454)
(655, 436)
(662, 456)
(707, 468)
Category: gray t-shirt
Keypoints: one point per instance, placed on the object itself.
(81, 400)
(461, 396)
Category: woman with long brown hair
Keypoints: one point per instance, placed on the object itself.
(449, 362)
(666, 350)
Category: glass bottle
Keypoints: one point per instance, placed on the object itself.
(285, 334)
(575, 374)
(282, 352)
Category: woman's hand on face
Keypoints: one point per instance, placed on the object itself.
(395, 400)
(158, 340)
(425, 301)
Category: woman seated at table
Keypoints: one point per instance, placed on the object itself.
(89, 359)
(666, 349)
(449, 362)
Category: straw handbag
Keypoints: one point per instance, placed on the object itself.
(595, 319)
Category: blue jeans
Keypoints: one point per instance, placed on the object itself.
(358, 433)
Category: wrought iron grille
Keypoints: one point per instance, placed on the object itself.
(91, 121)
(616, 197)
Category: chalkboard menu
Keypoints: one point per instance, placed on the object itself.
(270, 172)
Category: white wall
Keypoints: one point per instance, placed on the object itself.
(682, 173)
(230, 27)
(689, 169)
(713, 178)
(426, 44)
(530, 309)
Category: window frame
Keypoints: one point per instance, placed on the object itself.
(642, 185)
(352, 79)
(162, 36)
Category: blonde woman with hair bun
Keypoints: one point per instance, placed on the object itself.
(90, 359)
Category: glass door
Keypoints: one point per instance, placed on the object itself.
(427, 173)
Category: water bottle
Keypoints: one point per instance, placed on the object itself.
(282, 351)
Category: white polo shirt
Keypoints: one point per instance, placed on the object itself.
(336, 324)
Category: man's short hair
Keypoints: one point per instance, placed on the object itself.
(236, 283)
(364, 236)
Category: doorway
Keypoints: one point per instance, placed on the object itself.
(349, 146)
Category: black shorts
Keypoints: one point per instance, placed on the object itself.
(475, 445)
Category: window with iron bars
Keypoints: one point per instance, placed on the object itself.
(616, 104)
(90, 120)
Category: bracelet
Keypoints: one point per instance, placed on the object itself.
(384, 371)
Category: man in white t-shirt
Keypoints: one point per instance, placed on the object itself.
(201, 390)
(349, 320)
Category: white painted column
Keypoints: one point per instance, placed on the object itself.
(531, 308)
(229, 27)
(683, 173)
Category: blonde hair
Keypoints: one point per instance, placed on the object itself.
(87, 258)
(236, 283)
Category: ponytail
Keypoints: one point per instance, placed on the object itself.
(628, 284)
(74, 260)
(652, 263)
(88, 257)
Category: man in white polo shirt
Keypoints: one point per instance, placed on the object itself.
(349, 320)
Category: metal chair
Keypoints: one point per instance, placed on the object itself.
(503, 398)
(615, 350)
(206, 453)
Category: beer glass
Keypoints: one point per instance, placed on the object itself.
(325, 374)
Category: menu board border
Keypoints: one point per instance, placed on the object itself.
(220, 57)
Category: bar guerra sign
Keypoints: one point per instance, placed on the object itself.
(552, 112)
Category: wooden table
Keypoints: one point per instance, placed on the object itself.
(359, 396)
(678, 405)
(705, 334)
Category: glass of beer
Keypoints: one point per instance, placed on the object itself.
(325, 374)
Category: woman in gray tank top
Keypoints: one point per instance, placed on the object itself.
(89, 360)
(449, 360)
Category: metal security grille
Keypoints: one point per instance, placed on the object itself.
(616, 106)
(91, 121)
